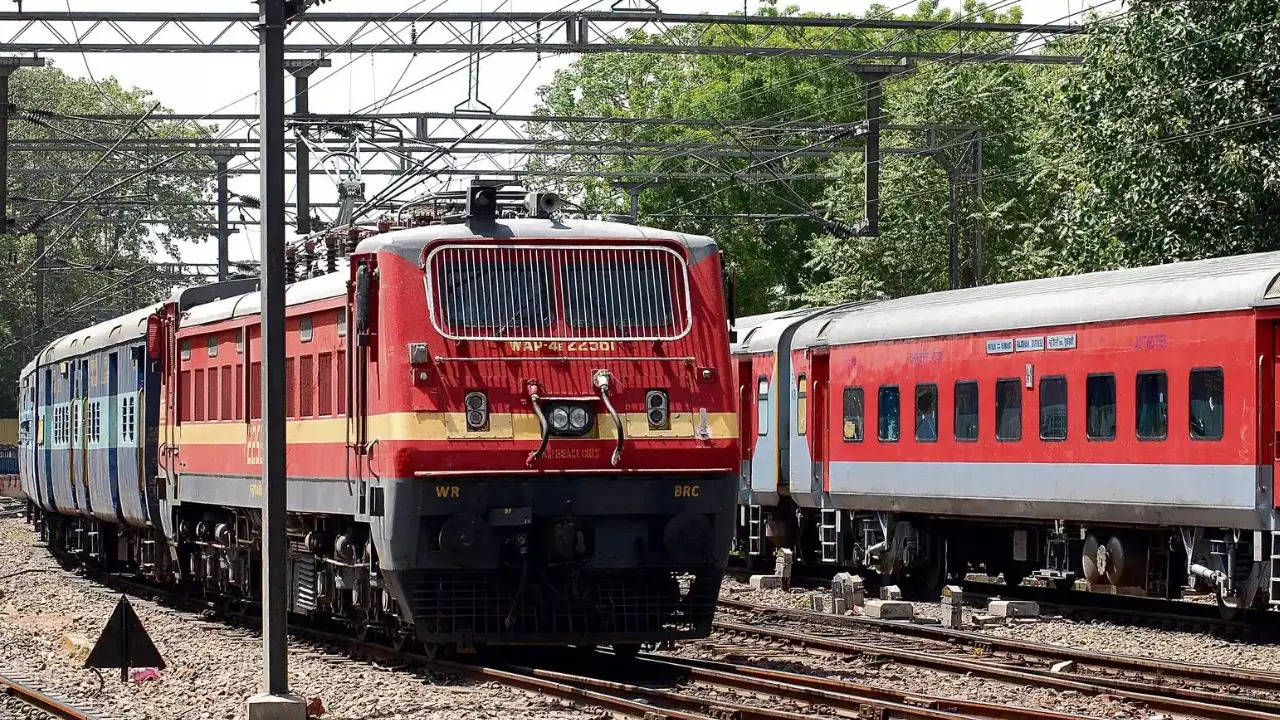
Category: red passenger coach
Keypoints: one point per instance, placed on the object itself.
(1117, 427)
(514, 429)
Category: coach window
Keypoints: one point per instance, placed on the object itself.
(1053, 408)
(211, 344)
(888, 414)
(1100, 407)
(927, 413)
(853, 414)
(1009, 409)
(967, 410)
(802, 405)
(1206, 404)
(762, 406)
(1153, 406)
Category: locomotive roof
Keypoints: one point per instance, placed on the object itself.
(409, 242)
(1183, 288)
(330, 285)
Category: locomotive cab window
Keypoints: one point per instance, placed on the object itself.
(762, 406)
(802, 405)
(853, 400)
(1152, 406)
(927, 413)
(888, 414)
(1009, 409)
(1205, 400)
(495, 295)
(967, 410)
(1053, 408)
(1100, 407)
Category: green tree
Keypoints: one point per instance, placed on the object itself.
(1173, 118)
(97, 260)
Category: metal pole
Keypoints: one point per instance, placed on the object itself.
(271, 16)
(4, 152)
(223, 231)
(39, 268)
(953, 241)
(871, 161)
(301, 87)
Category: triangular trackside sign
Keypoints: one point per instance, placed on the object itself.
(124, 643)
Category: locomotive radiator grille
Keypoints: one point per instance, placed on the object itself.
(657, 604)
(492, 292)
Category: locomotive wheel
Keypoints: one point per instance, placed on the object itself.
(1089, 560)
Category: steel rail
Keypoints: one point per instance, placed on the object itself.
(29, 695)
(849, 695)
(1179, 700)
(1259, 679)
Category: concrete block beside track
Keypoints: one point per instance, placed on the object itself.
(888, 609)
(1014, 608)
(766, 582)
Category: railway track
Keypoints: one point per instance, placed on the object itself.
(1224, 693)
(650, 686)
(27, 692)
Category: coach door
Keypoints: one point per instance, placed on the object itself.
(820, 391)
(746, 406)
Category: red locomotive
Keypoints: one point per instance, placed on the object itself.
(1118, 427)
(500, 429)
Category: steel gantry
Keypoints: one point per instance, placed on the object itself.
(493, 32)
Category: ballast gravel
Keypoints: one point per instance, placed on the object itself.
(212, 667)
(1096, 635)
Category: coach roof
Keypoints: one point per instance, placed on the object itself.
(105, 334)
(1183, 288)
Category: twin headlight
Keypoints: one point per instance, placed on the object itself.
(570, 418)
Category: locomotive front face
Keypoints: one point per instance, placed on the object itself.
(551, 441)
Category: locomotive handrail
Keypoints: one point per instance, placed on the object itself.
(602, 381)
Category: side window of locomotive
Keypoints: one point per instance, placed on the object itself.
(927, 413)
(1206, 404)
(853, 414)
(967, 410)
(888, 414)
(762, 406)
(1152, 406)
(211, 345)
(802, 405)
(1053, 408)
(1100, 407)
(306, 331)
(1009, 409)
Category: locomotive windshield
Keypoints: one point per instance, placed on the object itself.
(553, 293)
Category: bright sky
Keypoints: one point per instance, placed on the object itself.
(227, 82)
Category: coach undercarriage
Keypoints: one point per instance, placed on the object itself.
(1236, 568)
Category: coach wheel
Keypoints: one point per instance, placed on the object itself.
(1093, 564)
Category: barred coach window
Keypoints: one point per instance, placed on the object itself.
(1053, 408)
(1153, 406)
(1009, 409)
(1206, 404)
(853, 414)
(967, 410)
(1100, 407)
(889, 412)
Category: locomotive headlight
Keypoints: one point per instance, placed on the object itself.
(578, 419)
(560, 418)
(658, 408)
(477, 411)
